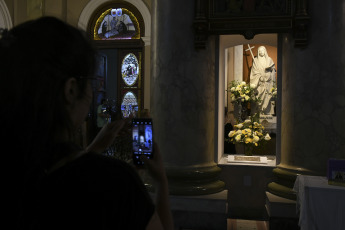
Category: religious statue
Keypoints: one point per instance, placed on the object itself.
(263, 78)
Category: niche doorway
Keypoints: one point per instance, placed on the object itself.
(235, 65)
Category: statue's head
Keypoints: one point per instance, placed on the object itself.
(262, 51)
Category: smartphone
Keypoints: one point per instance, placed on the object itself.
(142, 134)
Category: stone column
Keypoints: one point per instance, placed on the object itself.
(183, 99)
(313, 98)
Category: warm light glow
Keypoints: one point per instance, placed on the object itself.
(116, 24)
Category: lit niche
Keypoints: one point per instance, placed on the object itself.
(250, 79)
(116, 24)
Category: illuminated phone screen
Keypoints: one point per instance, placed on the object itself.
(142, 139)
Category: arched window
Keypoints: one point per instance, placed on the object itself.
(117, 28)
(116, 24)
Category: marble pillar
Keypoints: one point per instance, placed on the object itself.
(313, 98)
(183, 99)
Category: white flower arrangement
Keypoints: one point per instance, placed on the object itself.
(242, 92)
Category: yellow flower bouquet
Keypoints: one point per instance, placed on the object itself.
(249, 133)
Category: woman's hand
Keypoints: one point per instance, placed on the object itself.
(107, 135)
(155, 166)
(156, 169)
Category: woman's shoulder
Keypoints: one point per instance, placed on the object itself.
(93, 170)
(103, 190)
(99, 160)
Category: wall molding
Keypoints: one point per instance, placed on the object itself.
(5, 17)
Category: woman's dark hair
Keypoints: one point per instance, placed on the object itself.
(36, 59)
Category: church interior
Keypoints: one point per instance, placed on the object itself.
(182, 64)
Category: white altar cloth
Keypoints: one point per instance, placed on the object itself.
(319, 205)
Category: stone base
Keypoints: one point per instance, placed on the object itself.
(281, 212)
(286, 176)
(194, 180)
(200, 212)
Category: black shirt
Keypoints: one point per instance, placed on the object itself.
(92, 192)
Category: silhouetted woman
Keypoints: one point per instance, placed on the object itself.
(46, 68)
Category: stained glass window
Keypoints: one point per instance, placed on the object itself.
(130, 69)
(116, 24)
(130, 86)
(129, 104)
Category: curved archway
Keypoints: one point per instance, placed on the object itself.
(5, 17)
(90, 8)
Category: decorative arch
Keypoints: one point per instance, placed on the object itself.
(116, 21)
(94, 5)
(5, 17)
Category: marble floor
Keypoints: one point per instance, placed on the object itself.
(238, 224)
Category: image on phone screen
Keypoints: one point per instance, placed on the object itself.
(142, 139)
